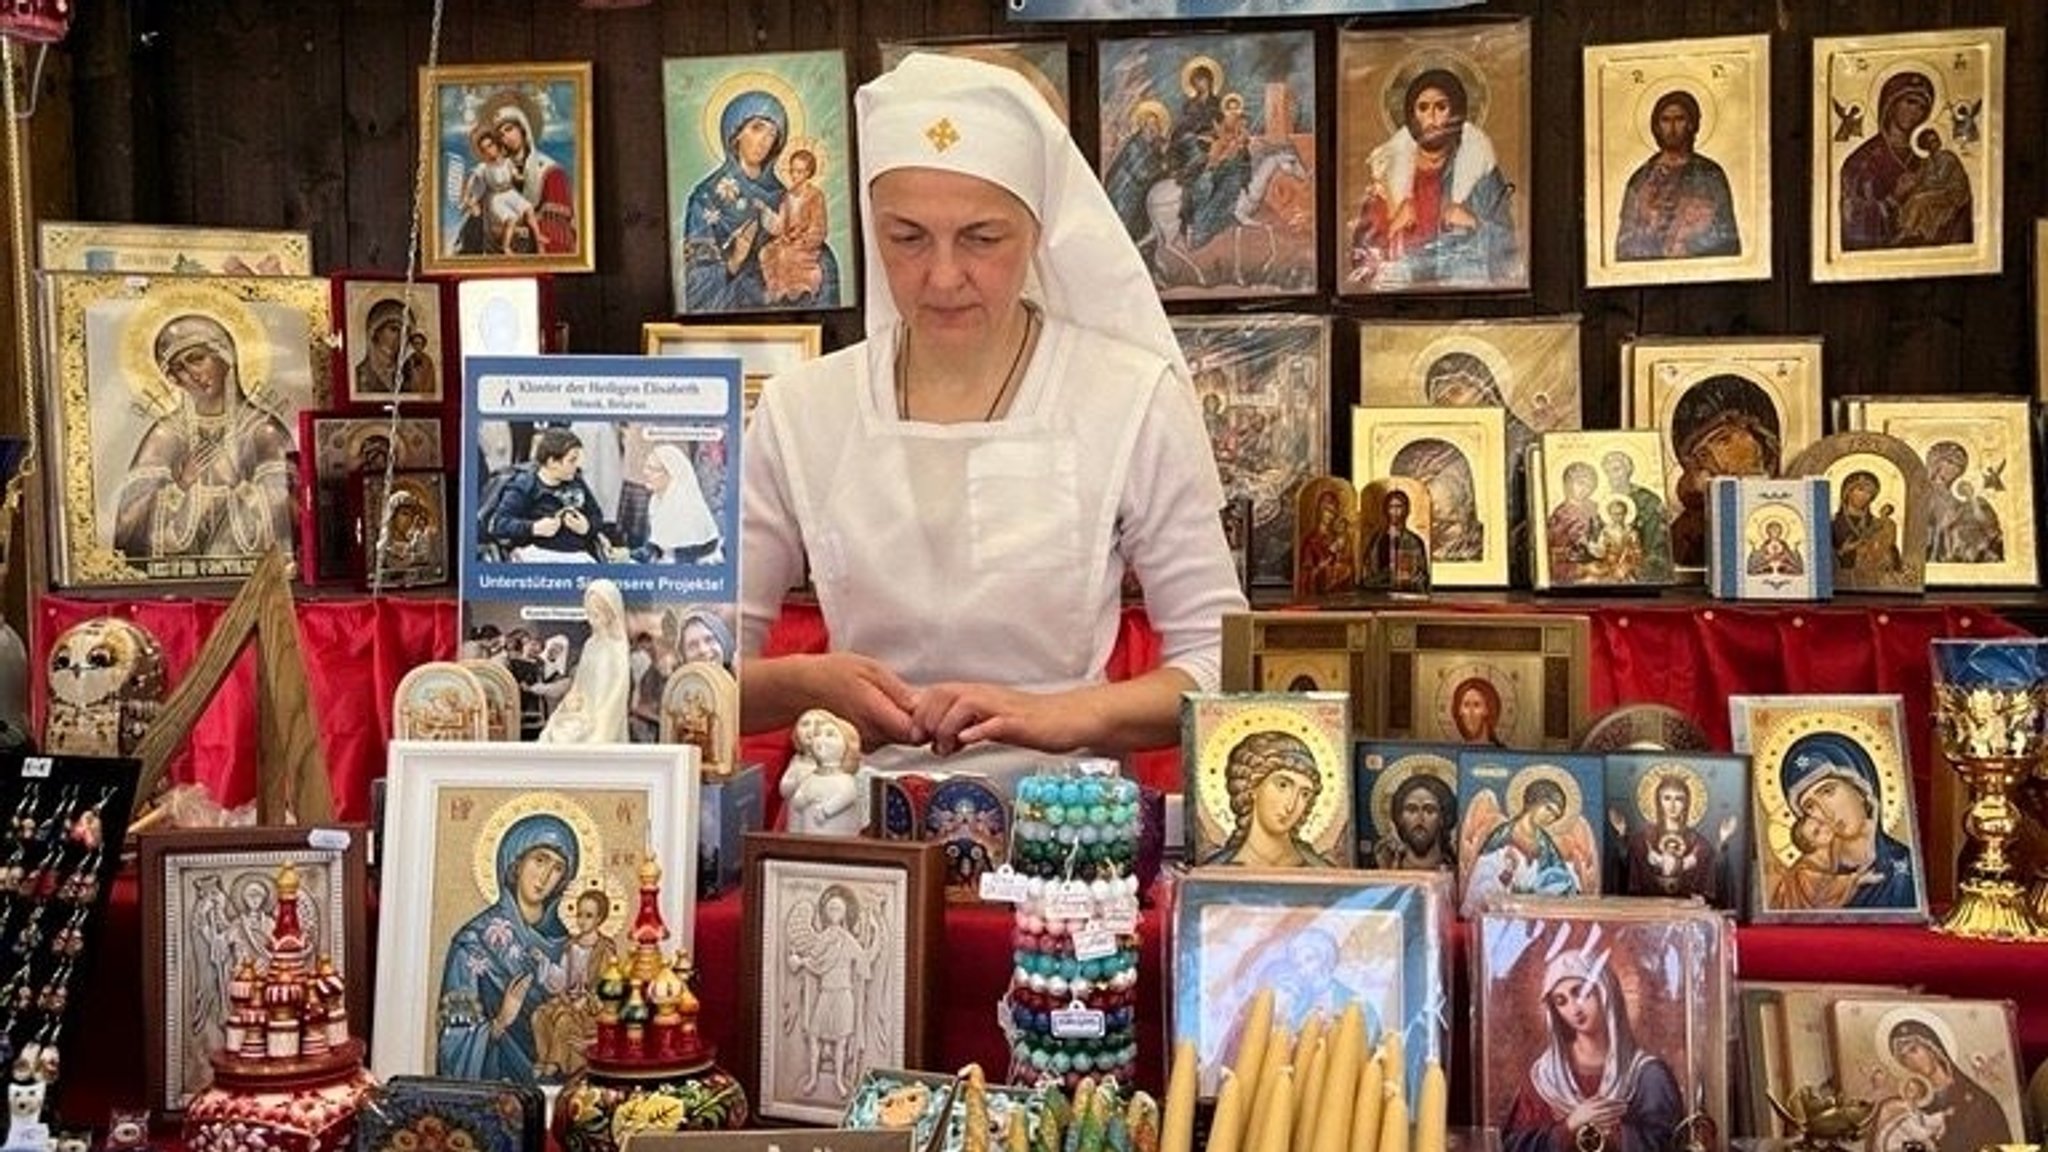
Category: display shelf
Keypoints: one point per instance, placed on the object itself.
(106, 1065)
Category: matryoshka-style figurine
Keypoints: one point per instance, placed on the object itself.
(107, 680)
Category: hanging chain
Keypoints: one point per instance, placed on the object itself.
(422, 167)
(16, 149)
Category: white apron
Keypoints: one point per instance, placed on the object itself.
(979, 551)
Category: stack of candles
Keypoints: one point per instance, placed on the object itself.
(1073, 989)
(1318, 1091)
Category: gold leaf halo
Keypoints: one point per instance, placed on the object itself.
(1397, 772)
(1877, 742)
(590, 853)
(1192, 64)
(1478, 91)
(1656, 774)
(742, 82)
(812, 144)
(1693, 86)
(1518, 788)
(1331, 761)
(156, 395)
(521, 98)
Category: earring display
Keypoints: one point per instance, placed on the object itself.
(54, 873)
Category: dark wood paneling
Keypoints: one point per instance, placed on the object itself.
(302, 114)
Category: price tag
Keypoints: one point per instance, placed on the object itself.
(1004, 885)
(1094, 942)
(1071, 902)
(328, 839)
(1076, 1023)
(1120, 914)
(36, 768)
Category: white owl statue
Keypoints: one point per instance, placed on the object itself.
(107, 681)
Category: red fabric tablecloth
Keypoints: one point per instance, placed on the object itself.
(1690, 655)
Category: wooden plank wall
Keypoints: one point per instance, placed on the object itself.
(300, 113)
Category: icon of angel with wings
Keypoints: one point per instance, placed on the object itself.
(1539, 844)
(837, 1002)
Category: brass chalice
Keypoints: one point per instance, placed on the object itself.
(1990, 705)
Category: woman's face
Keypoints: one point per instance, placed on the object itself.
(700, 646)
(1838, 805)
(956, 250)
(1917, 1055)
(201, 372)
(1577, 1003)
(1672, 802)
(755, 141)
(1731, 450)
(655, 475)
(538, 872)
(1280, 801)
(512, 136)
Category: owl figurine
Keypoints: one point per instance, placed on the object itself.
(107, 682)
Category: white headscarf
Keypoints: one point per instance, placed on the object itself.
(678, 516)
(1551, 1075)
(983, 120)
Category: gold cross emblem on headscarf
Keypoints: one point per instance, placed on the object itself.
(942, 134)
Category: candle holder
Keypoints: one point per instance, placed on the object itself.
(1989, 698)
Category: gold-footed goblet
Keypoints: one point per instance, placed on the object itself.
(2032, 798)
(1989, 698)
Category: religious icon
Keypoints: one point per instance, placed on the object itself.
(1528, 825)
(759, 183)
(1498, 680)
(440, 700)
(1433, 159)
(488, 875)
(1770, 539)
(1263, 383)
(1942, 1073)
(1879, 528)
(1326, 538)
(1908, 154)
(1601, 498)
(176, 403)
(1603, 1027)
(211, 903)
(514, 179)
(837, 937)
(1208, 146)
(1724, 408)
(1677, 825)
(1979, 459)
(1836, 837)
(1394, 518)
(1409, 819)
(1271, 776)
(1461, 456)
(1678, 175)
(391, 349)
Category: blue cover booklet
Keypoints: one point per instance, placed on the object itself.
(580, 467)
